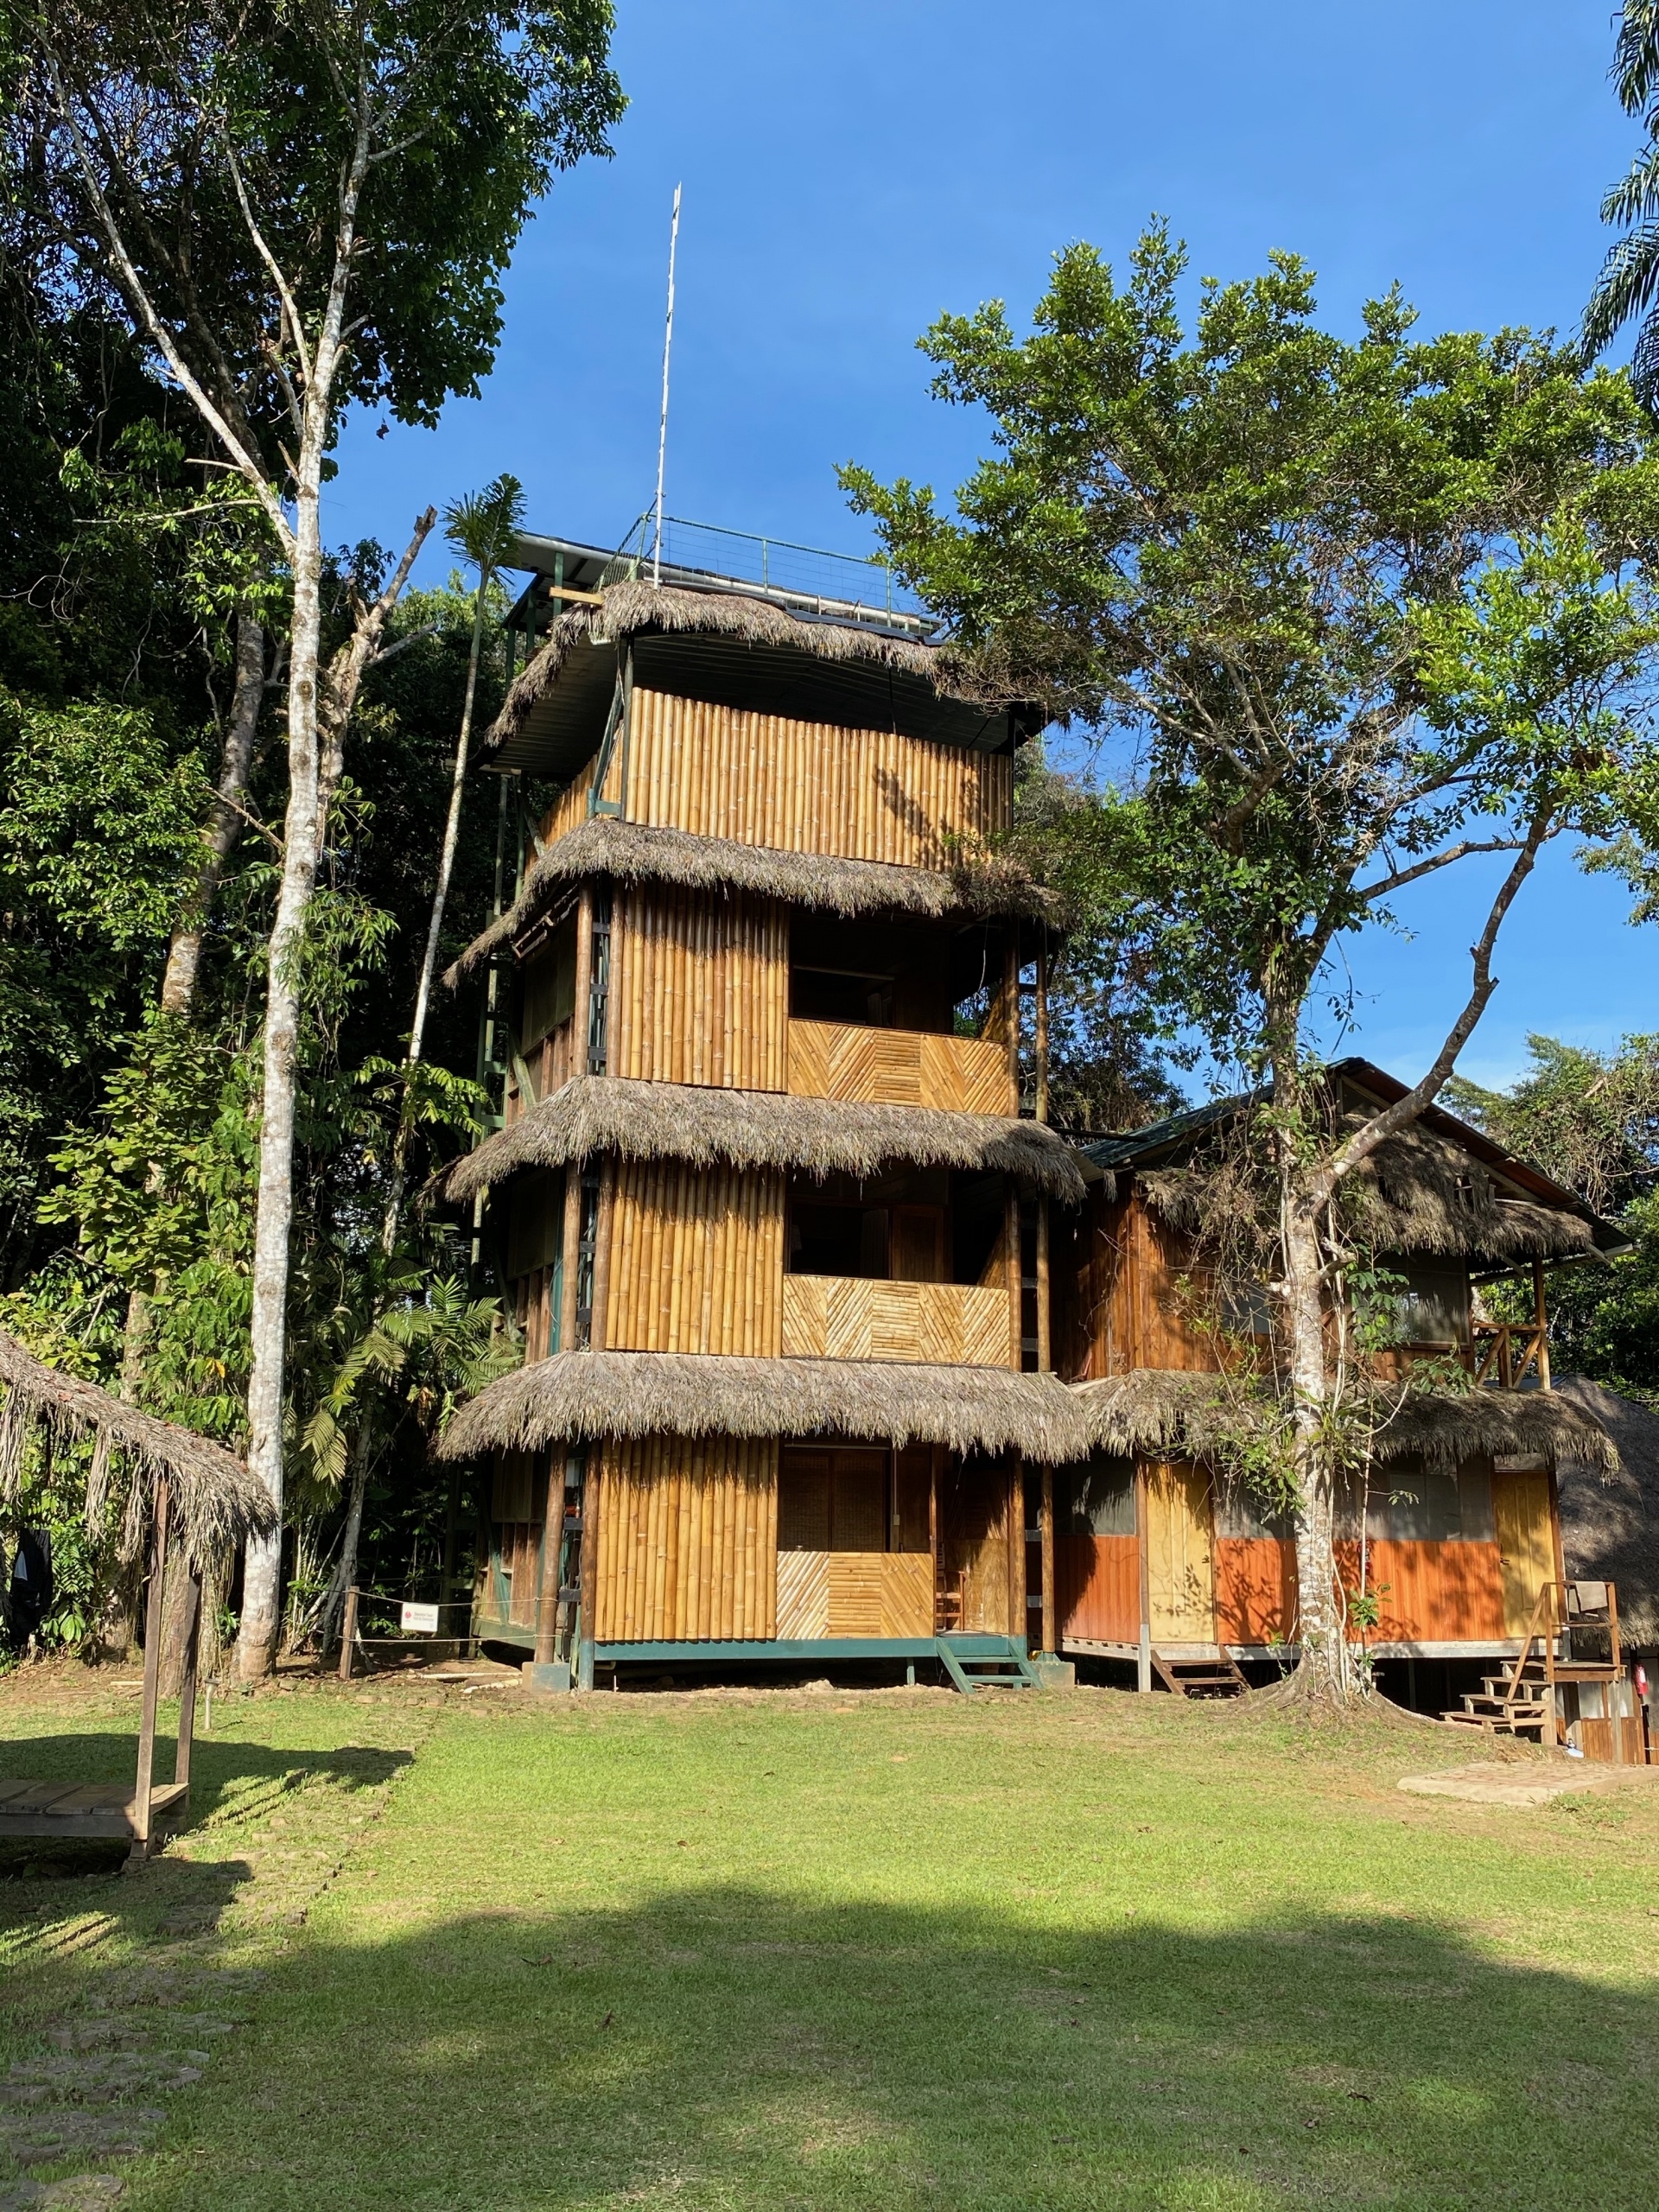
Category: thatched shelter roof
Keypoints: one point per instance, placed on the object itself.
(1610, 1523)
(1185, 1415)
(216, 1501)
(632, 851)
(745, 653)
(761, 1128)
(585, 1396)
(1438, 1188)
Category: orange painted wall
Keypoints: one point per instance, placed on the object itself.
(1256, 1589)
(1097, 1587)
(1437, 1594)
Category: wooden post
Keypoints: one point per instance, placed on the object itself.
(152, 1677)
(1019, 1624)
(547, 1599)
(348, 1635)
(1143, 1664)
(1011, 1000)
(933, 1523)
(588, 1571)
(1050, 1645)
(1044, 1330)
(1016, 1276)
(1541, 1322)
(1041, 1043)
(602, 1251)
(186, 1735)
(571, 1247)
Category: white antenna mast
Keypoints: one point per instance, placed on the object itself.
(662, 433)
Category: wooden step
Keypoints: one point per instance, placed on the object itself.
(1199, 1677)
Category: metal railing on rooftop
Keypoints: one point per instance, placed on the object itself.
(835, 587)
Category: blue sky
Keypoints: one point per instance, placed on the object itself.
(854, 167)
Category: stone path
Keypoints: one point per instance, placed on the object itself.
(1527, 1783)
(167, 1971)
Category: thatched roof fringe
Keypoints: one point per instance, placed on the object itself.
(1194, 1415)
(217, 1502)
(1610, 1524)
(1419, 1193)
(633, 851)
(630, 606)
(586, 1396)
(707, 1127)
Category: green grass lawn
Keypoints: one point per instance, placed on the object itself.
(858, 1950)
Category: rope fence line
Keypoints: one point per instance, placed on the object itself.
(352, 1638)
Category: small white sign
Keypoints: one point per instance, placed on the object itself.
(420, 1620)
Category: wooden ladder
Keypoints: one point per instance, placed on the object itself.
(1218, 1677)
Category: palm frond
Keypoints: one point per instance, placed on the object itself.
(1635, 56)
(482, 525)
(1625, 288)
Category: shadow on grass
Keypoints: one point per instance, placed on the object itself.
(228, 1778)
(722, 2047)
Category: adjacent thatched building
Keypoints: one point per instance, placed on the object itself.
(1160, 1548)
(769, 1212)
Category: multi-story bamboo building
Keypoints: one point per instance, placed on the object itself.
(770, 1215)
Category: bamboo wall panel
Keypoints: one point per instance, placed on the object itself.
(1097, 1587)
(1256, 1589)
(1526, 1543)
(1180, 1555)
(686, 1540)
(1437, 1593)
(570, 808)
(696, 1259)
(899, 1067)
(699, 989)
(838, 1317)
(854, 1594)
(810, 787)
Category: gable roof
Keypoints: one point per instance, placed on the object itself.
(1414, 1190)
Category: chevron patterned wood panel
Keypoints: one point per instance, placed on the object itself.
(899, 1067)
(841, 1317)
(802, 1593)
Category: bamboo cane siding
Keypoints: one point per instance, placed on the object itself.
(699, 989)
(686, 1540)
(810, 787)
(952, 1324)
(696, 1260)
(1128, 1301)
(571, 806)
(855, 1594)
(900, 1067)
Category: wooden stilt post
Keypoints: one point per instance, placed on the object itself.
(547, 1599)
(186, 1735)
(152, 1678)
(348, 1635)
(1050, 1630)
(1016, 1283)
(1019, 1620)
(1041, 1039)
(588, 1571)
(1541, 1322)
(1143, 1660)
(933, 1524)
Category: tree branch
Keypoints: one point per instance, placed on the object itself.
(1378, 1131)
(1440, 860)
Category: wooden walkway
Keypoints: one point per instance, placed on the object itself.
(86, 1808)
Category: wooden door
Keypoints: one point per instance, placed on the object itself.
(1180, 1555)
(919, 1243)
(1526, 1548)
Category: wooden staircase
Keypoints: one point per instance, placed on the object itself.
(1199, 1677)
(1519, 1701)
(986, 1662)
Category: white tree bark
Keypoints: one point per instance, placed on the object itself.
(224, 825)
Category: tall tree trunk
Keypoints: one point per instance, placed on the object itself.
(262, 1578)
(435, 927)
(345, 1574)
(224, 825)
(1322, 1671)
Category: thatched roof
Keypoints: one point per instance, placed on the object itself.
(216, 1501)
(1610, 1523)
(634, 606)
(632, 852)
(1185, 1415)
(761, 1128)
(584, 1395)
